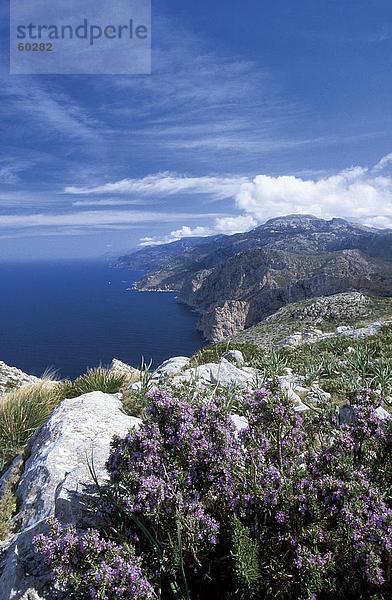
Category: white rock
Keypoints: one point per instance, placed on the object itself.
(301, 408)
(235, 356)
(171, 367)
(56, 480)
(291, 395)
(289, 381)
(302, 392)
(318, 393)
(343, 328)
(137, 386)
(291, 340)
(240, 423)
(224, 374)
(123, 369)
(383, 414)
(11, 378)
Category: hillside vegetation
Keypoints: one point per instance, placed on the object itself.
(326, 314)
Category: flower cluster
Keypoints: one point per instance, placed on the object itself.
(290, 506)
(97, 568)
(178, 470)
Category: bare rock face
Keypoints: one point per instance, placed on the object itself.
(224, 321)
(56, 481)
(122, 368)
(11, 378)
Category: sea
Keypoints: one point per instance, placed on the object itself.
(71, 315)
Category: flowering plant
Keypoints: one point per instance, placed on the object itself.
(289, 507)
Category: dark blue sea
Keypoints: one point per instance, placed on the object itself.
(73, 315)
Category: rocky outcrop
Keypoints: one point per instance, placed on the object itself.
(170, 367)
(125, 370)
(56, 481)
(223, 374)
(224, 321)
(12, 378)
(236, 281)
(311, 336)
(260, 285)
(312, 317)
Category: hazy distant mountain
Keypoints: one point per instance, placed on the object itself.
(235, 281)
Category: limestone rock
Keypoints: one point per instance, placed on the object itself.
(240, 423)
(123, 369)
(171, 367)
(56, 482)
(383, 414)
(223, 373)
(235, 356)
(11, 378)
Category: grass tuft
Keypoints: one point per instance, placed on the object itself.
(99, 379)
(22, 411)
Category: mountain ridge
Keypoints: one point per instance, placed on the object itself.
(236, 281)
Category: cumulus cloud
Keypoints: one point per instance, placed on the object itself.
(354, 194)
(359, 194)
(221, 225)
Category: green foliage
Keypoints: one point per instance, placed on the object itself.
(340, 364)
(212, 353)
(245, 555)
(134, 401)
(99, 379)
(8, 504)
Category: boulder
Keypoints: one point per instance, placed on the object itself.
(171, 367)
(383, 414)
(300, 407)
(236, 357)
(291, 340)
(223, 373)
(302, 391)
(57, 482)
(239, 422)
(290, 381)
(343, 329)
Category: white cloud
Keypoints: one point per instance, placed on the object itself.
(221, 225)
(165, 184)
(353, 193)
(384, 162)
(53, 111)
(358, 193)
(94, 219)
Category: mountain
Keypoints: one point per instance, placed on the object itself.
(236, 281)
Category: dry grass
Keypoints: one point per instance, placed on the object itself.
(22, 411)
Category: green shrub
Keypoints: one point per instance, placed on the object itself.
(8, 504)
(99, 379)
(214, 352)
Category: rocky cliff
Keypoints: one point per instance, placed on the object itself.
(236, 281)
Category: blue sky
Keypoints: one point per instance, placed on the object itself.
(253, 109)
